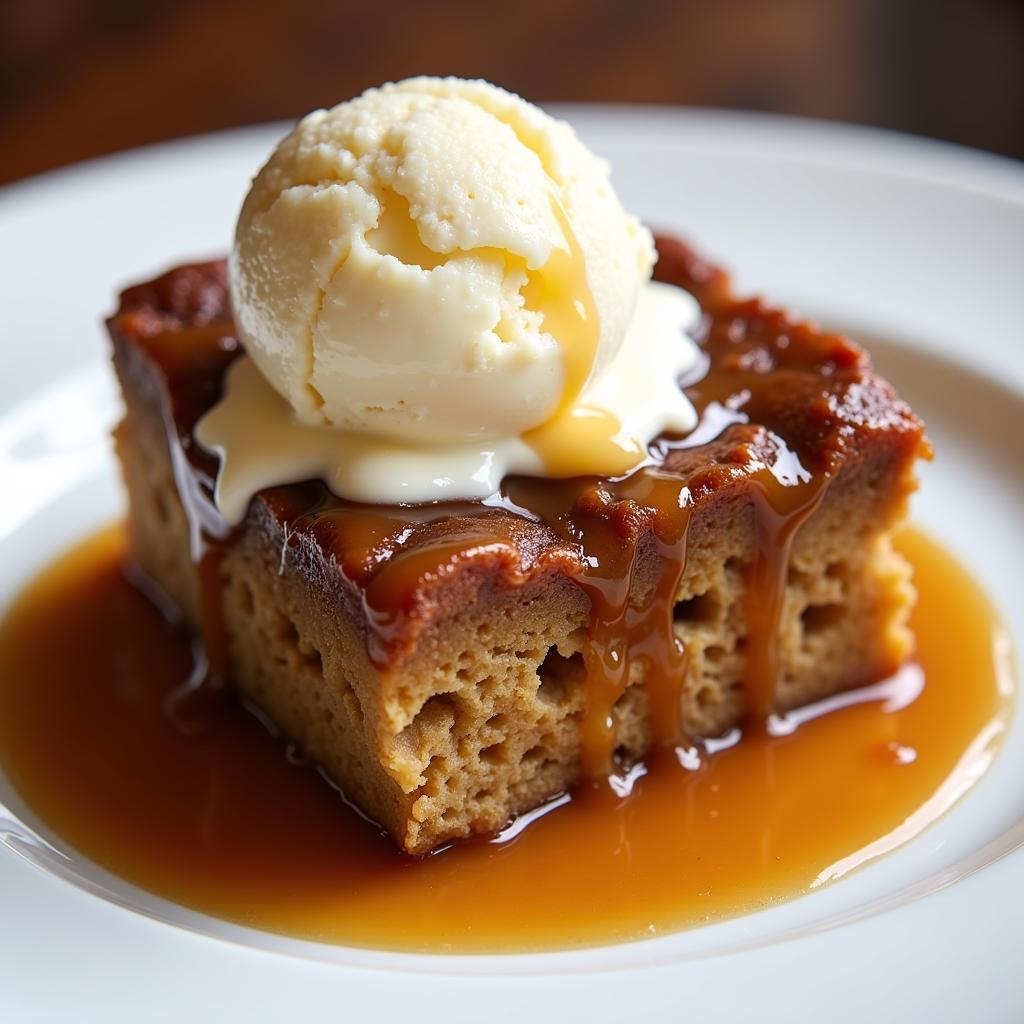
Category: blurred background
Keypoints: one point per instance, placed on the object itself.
(79, 78)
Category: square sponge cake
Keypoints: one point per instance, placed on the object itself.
(451, 666)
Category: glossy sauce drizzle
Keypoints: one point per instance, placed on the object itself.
(218, 818)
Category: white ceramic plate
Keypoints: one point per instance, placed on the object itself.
(916, 246)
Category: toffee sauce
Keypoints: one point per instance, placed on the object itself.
(220, 820)
(202, 808)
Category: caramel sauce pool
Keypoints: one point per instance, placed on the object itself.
(223, 822)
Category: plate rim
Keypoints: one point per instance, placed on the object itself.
(948, 162)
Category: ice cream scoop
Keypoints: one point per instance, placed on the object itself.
(436, 285)
(435, 261)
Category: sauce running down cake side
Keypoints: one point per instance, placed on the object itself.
(453, 665)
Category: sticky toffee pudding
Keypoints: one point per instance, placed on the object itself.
(451, 666)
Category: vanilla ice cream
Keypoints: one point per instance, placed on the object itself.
(404, 262)
(437, 279)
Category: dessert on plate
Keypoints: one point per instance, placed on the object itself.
(469, 503)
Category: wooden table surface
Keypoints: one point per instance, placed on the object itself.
(78, 79)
